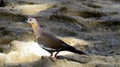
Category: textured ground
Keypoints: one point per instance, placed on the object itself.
(92, 26)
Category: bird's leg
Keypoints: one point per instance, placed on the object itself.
(56, 54)
(51, 55)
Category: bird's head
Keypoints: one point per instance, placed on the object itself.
(32, 21)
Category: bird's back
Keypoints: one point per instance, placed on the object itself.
(50, 41)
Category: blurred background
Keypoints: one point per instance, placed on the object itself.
(92, 26)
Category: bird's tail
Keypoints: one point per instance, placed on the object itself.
(77, 51)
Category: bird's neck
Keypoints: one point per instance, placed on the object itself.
(37, 30)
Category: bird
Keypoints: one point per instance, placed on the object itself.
(50, 42)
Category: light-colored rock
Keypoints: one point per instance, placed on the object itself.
(77, 43)
(52, 62)
(2, 59)
(74, 41)
(30, 9)
(30, 1)
(75, 57)
(29, 47)
(16, 57)
(65, 63)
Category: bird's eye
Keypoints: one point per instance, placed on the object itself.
(30, 20)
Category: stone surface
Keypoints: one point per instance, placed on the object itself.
(92, 26)
(28, 47)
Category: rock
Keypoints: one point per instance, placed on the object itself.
(8, 15)
(78, 43)
(26, 9)
(74, 57)
(29, 1)
(4, 42)
(49, 62)
(2, 59)
(6, 39)
(92, 26)
(107, 65)
(16, 57)
(26, 36)
(52, 62)
(29, 47)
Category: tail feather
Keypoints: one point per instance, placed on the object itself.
(72, 49)
(78, 52)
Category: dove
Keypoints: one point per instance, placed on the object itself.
(50, 42)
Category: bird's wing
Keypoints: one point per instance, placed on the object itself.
(50, 41)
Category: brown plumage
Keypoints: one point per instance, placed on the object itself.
(48, 41)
